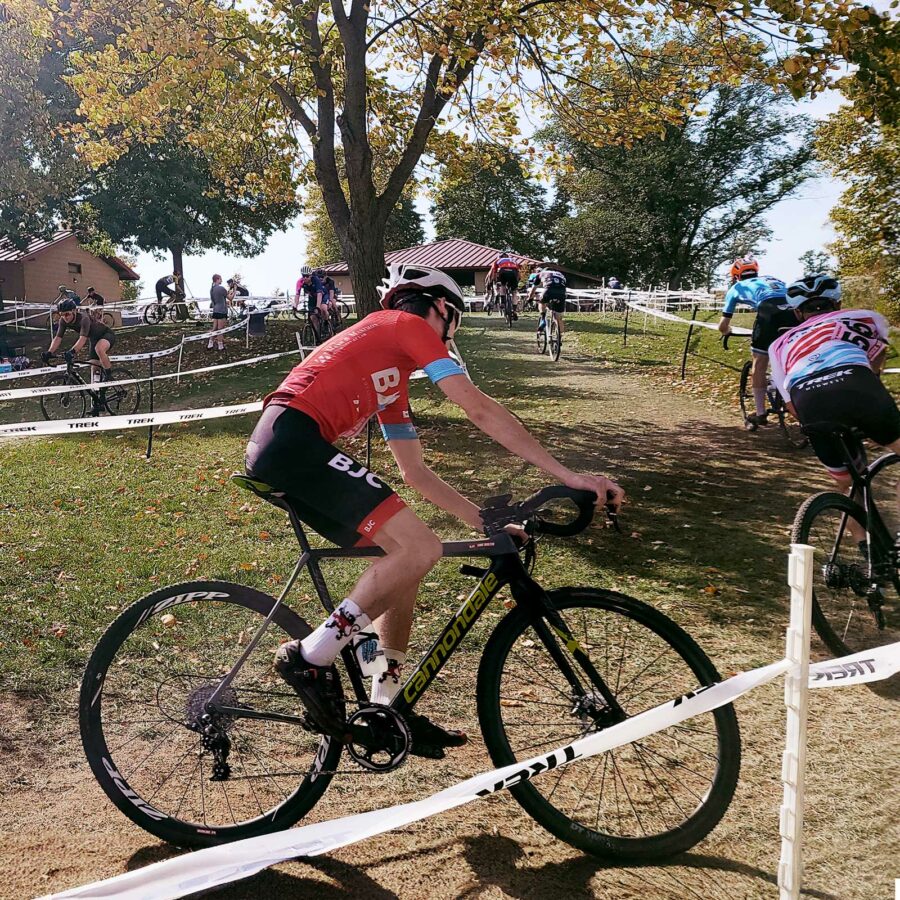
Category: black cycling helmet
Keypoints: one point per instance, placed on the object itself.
(67, 305)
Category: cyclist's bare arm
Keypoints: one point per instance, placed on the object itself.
(725, 325)
(879, 361)
(432, 487)
(54, 345)
(81, 342)
(497, 422)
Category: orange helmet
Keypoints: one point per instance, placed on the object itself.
(744, 266)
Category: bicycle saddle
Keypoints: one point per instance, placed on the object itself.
(261, 489)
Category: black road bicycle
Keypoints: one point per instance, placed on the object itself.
(856, 585)
(314, 332)
(120, 400)
(193, 736)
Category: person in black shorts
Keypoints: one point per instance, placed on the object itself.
(552, 282)
(98, 336)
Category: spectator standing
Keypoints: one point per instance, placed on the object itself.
(614, 283)
(219, 297)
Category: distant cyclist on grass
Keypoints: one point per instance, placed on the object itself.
(551, 283)
(361, 372)
(766, 295)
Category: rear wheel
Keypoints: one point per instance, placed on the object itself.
(72, 405)
(555, 337)
(154, 313)
(842, 613)
(125, 399)
(745, 395)
(646, 800)
(142, 709)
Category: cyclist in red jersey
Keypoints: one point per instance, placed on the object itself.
(361, 372)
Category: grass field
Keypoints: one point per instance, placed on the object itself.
(89, 525)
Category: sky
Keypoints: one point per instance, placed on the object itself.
(799, 224)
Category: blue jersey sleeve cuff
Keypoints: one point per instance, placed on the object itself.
(403, 432)
(442, 368)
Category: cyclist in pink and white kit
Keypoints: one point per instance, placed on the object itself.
(827, 369)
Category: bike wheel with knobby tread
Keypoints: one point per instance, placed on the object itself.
(308, 337)
(840, 611)
(646, 800)
(790, 427)
(123, 400)
(72, 405)
(555, 338)
(541, 337)
(144, 691)
(154, 313)
(745, 396)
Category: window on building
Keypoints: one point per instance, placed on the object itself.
(74, 268)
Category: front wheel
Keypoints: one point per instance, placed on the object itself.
(790, 427)
(125, 399)
(71, 405)
(154, 313)
(541, 336)
(646, 800)
(846, 614)
(190, 778)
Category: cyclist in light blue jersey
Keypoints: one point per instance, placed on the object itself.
(767, 295)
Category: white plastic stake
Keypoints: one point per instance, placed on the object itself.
(796, 695)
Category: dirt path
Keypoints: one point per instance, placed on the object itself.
(57, 829)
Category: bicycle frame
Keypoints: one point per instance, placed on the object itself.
(506, 568)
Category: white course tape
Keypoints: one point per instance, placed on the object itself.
(214, 866)
(241, 323)
(671, 317)
(28, 373)
(45, 390)
(858, 668)
(138, 420)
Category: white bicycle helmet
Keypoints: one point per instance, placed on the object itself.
(813, 287)
(305, 270)
(423, 279)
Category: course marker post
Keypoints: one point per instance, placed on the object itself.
(150, 427)
(180, 353)
(796, 697)
(625, 329)
(687, 342)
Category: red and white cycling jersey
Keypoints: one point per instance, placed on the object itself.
(364, 371)
(851, 337)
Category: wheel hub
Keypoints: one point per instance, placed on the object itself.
(594, 712)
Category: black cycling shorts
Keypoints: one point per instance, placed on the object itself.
(852, 396)
(555, 298)
(92, 345)
(509, 277)
(773, 318)
(332, 493)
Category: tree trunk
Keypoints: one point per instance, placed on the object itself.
(364, 249)
(178, 265)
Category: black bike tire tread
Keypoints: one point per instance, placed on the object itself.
(657, 847)
(809, 509)
(118, 373)
(185, 834)
(56, 380)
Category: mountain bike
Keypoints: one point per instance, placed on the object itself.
(117, 401)
(856, 584)
(194, 737)
(175, 309)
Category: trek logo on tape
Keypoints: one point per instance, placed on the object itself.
(846, 670)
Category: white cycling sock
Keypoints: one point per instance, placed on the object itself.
(386, 685)
(326, 642)
(759, 398)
